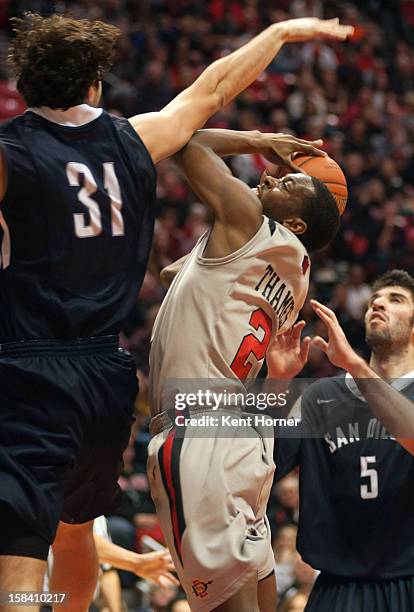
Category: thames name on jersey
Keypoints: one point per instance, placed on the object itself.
(228, 420)
(274, 290)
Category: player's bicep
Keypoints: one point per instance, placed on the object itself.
(167, 131)
(159, 134)
(232, 201)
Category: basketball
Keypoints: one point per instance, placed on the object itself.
(327, 170)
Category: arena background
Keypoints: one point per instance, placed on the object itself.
(358, 97)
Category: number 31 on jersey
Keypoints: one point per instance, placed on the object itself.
(83, 229)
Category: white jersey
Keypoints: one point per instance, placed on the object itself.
(220, 315)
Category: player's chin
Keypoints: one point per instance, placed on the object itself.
(377, 334)
(376, 324)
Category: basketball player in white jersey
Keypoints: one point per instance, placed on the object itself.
(244, 282)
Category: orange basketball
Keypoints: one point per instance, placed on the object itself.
(326, 170)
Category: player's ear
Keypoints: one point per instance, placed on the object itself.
(94, 93)
(296, 225)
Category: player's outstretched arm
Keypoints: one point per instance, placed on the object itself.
(277, 148)
(394, 410)
(154, 566)
(169, 130)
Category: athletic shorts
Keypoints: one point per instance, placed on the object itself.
(65, 419)
(333, 594)
(211, 494)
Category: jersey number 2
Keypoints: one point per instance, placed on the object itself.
(88, 230)
(251, 345)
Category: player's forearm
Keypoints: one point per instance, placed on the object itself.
(239, 69)
(230, 142)
(166, 132)
(394, 410)
(227, 77)
(118, 557)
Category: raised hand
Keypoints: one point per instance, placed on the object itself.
(311, 28)
(279, 149)
(287, 354)
(338, 350)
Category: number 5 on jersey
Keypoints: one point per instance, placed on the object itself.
(370, 489)
(89, 230)
(251, 346)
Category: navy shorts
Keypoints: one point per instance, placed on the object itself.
(333, 594)
(65, 419)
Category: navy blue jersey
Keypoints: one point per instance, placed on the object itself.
(356, 486)
(76, 226)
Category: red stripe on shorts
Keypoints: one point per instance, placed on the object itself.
(167, 465)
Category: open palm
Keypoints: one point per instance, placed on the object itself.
(337, 348)
(288, 354)
(156, 566)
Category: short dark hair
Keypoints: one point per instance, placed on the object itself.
(56, 59)
(321, 214)
(395, 278)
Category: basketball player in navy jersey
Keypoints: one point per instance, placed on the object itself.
(77, 189)
(395, 412)
(356, 481)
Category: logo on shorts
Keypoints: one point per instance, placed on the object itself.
(200, 588)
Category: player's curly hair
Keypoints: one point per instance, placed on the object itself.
(395, 278)
(321, 214)
(56, 59)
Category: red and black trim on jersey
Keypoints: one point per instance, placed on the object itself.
(169, 462)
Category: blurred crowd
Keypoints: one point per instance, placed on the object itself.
(358, 97)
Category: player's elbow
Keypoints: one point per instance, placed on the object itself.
(218, 99)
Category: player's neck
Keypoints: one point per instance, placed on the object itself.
(393, 365)
(74, 116)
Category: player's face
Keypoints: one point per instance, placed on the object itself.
(389, 319)
(281, 198)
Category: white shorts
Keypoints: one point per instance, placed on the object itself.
(211, 494)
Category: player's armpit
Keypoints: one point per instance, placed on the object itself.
(168, 273)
